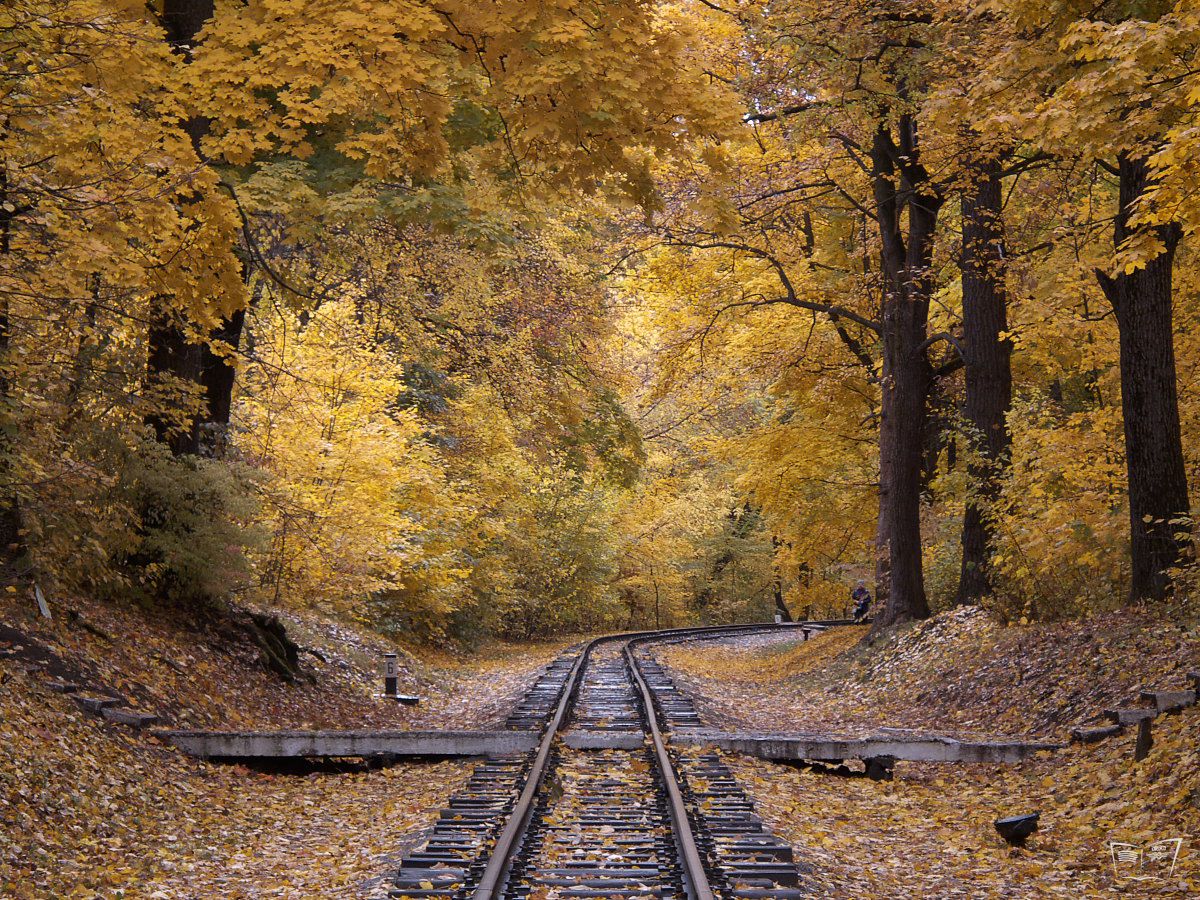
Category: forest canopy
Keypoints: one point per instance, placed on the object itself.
(520, 318)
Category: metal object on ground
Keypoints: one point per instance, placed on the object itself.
(1016, 829)
(391, 682)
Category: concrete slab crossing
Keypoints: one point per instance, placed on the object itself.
(913, 748)
(300, 744)
(279, 745)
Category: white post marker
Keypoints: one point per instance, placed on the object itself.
(391, 675)
(778, 618)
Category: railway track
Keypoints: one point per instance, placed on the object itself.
(612, 812)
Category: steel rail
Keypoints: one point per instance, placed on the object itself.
(492, 880)
(695, 877)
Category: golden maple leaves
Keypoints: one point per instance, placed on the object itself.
(563, 93)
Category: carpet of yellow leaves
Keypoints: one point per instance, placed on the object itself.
(960, 673)
(929, 832)
(91, 811)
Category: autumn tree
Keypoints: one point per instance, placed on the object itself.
(121, 128)
(191, 341)
(858, 100)
(101, 214)
(1111, 97)
(566, 113)
(985, 158)
(507, 318)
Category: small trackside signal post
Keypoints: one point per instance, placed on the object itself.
(391, 681)
(391, 676)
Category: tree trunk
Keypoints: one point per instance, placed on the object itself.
(173, 361)
(988, 371)
(883, 543)
(218, 375)
(172, 356)
(781, 608)
(1158, 490)
(901, 185)
(11, 539)
(906, 378)
(939, 435)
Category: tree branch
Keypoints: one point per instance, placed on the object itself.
(256, 252)
(941, 336)
(775, 115)
(1025, 164)
(948, 368)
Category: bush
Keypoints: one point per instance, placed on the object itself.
(193, 534)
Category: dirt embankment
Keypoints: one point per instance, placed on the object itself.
(212, 676)
(89, 809)
(959, 673)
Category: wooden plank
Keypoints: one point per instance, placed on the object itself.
(300, 744)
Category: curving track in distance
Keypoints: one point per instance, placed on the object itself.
(605, 808)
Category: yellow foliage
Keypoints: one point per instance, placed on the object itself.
(355, 493)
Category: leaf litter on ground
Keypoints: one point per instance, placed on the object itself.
(929, 832)
(89, 810)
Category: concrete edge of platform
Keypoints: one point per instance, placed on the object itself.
(301, 744)
(604, 740)
(928, 748)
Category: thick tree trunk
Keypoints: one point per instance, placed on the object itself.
(883, 541)
(939, 435)
(1158, 490)
(183, 20)
(906, 378)
(988, 371)
(172, 356)
(173, 362)
(218, 375)
(901, 185)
